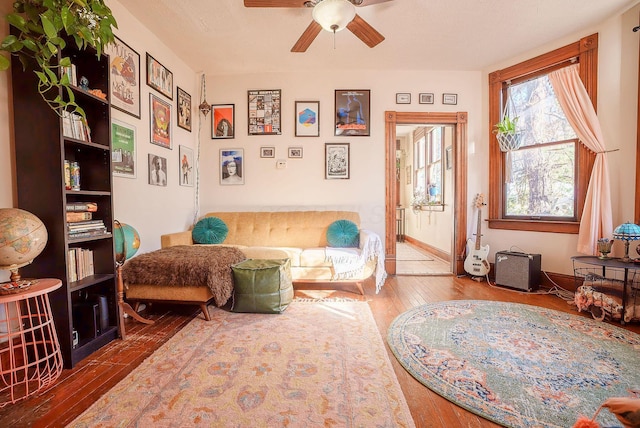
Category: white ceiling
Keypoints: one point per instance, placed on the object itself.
(222, 36)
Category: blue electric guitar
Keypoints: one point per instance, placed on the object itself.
(476, 263)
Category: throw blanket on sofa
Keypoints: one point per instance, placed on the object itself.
(349, 263)
(186, 265)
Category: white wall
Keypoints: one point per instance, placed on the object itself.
(302, 184)
(617, 109)
(157, 210)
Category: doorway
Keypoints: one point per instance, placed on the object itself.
(458, 121)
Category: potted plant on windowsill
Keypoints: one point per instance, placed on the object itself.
(507, 134)
(42, 28)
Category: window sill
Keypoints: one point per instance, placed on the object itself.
(427, 207)
(535, 225)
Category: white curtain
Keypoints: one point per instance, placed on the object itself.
(596, 219)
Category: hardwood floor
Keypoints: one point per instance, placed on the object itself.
(78, 388)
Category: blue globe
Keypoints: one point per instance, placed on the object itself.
(126, 240)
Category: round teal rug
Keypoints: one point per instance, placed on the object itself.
(517, 365)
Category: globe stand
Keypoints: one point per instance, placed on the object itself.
(15, 279)
(124, 307)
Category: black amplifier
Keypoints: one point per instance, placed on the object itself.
(518, 270)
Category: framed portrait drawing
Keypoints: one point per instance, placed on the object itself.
(307, 118)
(124, 78)
(295, 152)
(123, 149)
(267, 152)
(426, 98)
(186, 166)
(264, 112)
(231, 167)
(157, 170)
(160, 121)
(352, 112)
(223, 121)
(184, 109)
(159, 77)
(336, 160)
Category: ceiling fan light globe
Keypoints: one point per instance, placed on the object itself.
(334, 15)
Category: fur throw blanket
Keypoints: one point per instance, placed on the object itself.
(186, 265)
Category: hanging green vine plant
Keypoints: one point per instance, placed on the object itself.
(43, 29)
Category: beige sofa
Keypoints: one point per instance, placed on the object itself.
(301, 237)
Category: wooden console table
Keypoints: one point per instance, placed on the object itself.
(30, 358)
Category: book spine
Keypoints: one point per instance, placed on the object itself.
(82, 206)
(78, 216)
(88, 234)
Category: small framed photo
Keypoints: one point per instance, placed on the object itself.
(160, 118)
(184, 109)
(295, 152)
(352, 111)
(264, 112)
(450, 99)
(307, 118)
(267, 152)
(159, 77)
(186, 166)
(223, 118)
(403, 98)
(157, 170)
(448, 160)
(337, 162)
(123, 149)
(426, 98)
(231, 167)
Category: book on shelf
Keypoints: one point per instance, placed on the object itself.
(77, 216)
(88, 233)
(75, 126)
(80, 263)
(82, 206)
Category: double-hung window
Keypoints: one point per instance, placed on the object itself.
(549, 173)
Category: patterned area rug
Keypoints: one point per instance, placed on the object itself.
(317, 364)
(517, 365)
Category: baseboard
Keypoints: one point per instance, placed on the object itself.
(433, 250)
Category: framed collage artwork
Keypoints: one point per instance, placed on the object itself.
(352, 108)
(307, 118)
(159, 77)
(160, 118)
(264, 112)
(223, 118)
(124, 69)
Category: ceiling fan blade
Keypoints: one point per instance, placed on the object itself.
(307, 37)
(367, 2)
(364, 31)
(274, 3)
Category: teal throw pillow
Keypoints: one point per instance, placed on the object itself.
(343, 233)
(210, 230)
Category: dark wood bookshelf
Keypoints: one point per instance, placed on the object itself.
(40, 152)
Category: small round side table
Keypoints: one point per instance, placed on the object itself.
(30, 357)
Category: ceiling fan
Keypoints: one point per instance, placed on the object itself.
(332, 15)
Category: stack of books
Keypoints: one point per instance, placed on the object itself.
(80, 222)
(80, 263)
(75, 126)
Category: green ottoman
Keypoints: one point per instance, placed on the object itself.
(262, 286)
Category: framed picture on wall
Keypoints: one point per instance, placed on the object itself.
(159, 77)
(307, 118)
(124, 78)
(352, 109)
(123, 149)
(231, 167)
(450, 99)
(267, 152)
(264, 112)
(426, 98)
(157, 170)
(223, 118)
(184, 109)
(337, 162)
(295, 152)
(160, 121)
(186, 166)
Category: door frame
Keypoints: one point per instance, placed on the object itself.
(459, 120)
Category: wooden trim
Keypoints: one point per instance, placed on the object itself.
(586, 51)
(637, 204)
(459, 119)
(430, 249)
